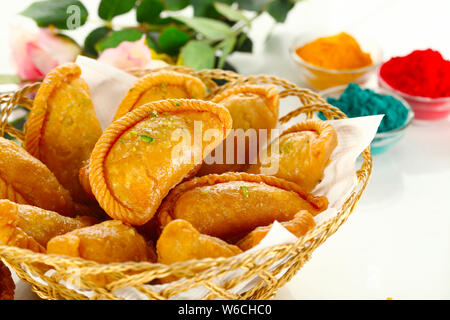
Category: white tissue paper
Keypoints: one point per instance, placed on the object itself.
(108, 86)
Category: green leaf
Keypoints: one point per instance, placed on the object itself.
(252, 5)
(230, 13)
(63, 14)
(244, 44)
(211, 29)
(117, 37)
(198, 55)
(279, 9)
(172, 39)
(152, 43)
(93, 38)
(149, 10)
(108, 9)
(205, 8)
(175, 5)
(166, 21)
(227, 47)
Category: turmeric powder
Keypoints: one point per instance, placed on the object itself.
(338, 52)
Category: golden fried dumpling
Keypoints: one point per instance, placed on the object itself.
(230, 205)
(303, 154)
(161, 85)
(26, 180)
(106, 242)
(62, 127)
(144, 154)
(7, 285)
(31, 227)
(251, 107)
(302, 222)
(180, 241)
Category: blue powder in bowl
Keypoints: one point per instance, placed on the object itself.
(358, 102)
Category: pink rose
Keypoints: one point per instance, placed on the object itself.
(130, 55)
(35, 54)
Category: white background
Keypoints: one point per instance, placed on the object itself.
(397, 242)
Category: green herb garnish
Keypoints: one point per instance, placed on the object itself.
(285, 148)
(122, 141)
(133, 132)
(146, 138)
(245, 192)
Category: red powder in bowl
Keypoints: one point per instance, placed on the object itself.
(423, 73)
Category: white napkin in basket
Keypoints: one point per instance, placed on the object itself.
(108, 86)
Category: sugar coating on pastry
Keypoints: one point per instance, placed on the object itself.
(26, 180)
(143, 155)
(106, 242)
(303, 153)
(62, 127)
(251, 107)
(302, 222)
(31, 227)
(161, 85)
(180, 241)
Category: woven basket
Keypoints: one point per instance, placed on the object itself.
(268, 269)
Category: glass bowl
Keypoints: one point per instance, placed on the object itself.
(424, 108)
(383, 140)
(319, 78)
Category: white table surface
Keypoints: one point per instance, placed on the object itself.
(397, 242)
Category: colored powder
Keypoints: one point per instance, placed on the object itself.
(339, 52)
(357, 102)
(423, 73)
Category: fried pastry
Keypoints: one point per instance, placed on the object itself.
(26, 180)
(230, 205)
(180, 241)
(31, 227)
(84, 178)
(7, 285)
(302, 222)
(107, 242)
(144, 154)
(62, 127)
(303, 154)
(161, 85)
(251, 107)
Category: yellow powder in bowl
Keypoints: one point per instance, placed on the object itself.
(339, 52)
